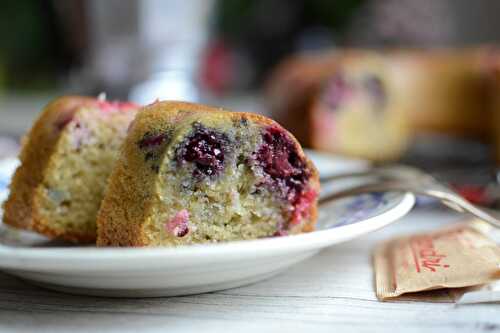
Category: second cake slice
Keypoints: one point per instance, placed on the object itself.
(66, 159)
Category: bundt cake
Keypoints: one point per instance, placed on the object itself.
(190, 173)
(377, 104)
(65, 162)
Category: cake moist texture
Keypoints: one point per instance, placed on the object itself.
(65, 161)
(194, 174)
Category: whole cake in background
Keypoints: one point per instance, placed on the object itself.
(190, 173)
(66, 159)
(377, 104)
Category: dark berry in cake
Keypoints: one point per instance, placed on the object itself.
(375, 87)
(337, 90)
(152, 145)
(205, 148)
(152, 140)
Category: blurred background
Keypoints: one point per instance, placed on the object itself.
(220, 52)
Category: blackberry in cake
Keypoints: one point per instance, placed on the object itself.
(190, 173)
(65, 161)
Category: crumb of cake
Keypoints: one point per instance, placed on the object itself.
(81, 135)
(58, 196)
(179, 225)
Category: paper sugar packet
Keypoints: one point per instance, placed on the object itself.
(460, 256)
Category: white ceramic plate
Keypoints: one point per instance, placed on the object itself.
(149, 272)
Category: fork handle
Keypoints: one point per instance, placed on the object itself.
(444, 195)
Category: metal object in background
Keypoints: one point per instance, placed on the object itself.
(153, 45)
(407, 179)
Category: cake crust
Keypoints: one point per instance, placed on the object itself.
(21, 210)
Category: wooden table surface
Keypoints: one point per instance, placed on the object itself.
(330, 292)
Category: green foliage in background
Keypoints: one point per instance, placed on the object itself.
(28, 44)
(235, 17)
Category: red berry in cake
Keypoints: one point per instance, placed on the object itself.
(302, 206)
(287, 172)
(179, 225)
(111, 106)
(205, 149)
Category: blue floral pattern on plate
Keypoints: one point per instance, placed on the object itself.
(7, 167)
(355, 209)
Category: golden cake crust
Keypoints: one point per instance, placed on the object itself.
(128, 197)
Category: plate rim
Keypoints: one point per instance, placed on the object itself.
(36, 258)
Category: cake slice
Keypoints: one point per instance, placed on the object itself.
(190, 173)
(65, 162)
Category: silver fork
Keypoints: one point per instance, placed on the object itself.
(408, 179)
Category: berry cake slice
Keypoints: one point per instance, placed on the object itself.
(65, 162)
(190, 173)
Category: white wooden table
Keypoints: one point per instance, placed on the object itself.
(330, 292)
